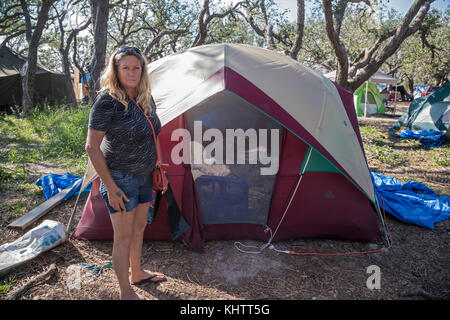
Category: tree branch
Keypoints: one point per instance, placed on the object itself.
(124, 23)
(425, 43)
(27, 17)
(75, 60)
(11, 36)
(205, 18)
(268, 28)
(161, 34)
(418, 10)
(366, 55)
(338, 47)
(299, 30)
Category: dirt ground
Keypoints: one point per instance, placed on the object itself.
(416, 267)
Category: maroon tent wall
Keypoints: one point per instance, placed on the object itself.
(326, 204)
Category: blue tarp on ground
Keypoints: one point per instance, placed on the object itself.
(411, 202)
(428, 138)
(54, 183)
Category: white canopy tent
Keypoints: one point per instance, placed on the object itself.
(378, 77)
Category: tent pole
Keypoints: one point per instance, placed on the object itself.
(73, 212)
(365, 98)
(395, 98)
(82, 187)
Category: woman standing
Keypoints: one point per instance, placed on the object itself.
(121, 147)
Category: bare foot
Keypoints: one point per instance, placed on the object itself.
(145, 274)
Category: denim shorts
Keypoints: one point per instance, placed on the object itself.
(138, 189)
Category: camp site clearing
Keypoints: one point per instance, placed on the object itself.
(416, 267)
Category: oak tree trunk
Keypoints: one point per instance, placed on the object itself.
(99, 14)
(28, 71)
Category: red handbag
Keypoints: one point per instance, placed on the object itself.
(160, 181)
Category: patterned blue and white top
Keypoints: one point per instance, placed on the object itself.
(128, 144)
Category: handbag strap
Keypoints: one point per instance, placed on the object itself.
(153, 129)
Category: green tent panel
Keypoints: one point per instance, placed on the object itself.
(374, 103)
(316, 162)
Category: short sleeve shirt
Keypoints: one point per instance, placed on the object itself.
(128, 144)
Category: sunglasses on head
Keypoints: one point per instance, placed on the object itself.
(128, 49)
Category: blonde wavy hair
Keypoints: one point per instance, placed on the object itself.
(109, 82)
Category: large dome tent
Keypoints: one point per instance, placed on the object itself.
(321, 185)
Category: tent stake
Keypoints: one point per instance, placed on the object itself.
(82, 187)
(395, 98)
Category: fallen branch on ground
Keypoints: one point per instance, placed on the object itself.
(43, 276)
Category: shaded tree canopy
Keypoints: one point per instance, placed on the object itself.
(354, 37)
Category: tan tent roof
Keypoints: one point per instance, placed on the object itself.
(183, 80)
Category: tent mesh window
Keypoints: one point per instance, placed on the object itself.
(370, 98)
(234, 182)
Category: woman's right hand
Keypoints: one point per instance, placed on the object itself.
(116, 198)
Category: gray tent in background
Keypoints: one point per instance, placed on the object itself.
(49, 85)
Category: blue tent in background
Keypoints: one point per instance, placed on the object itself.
(88, 77)
(427, 113)
(427, 119)
(419, 89)
(411, 202)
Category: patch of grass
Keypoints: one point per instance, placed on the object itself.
(7, 284)
(63, 133)
(54, 135)
(441, 156)
(15, 130)
(378, 147)
(385, 154)
(29, 188)
(369, 133)
(5, 176)
(16, 208)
